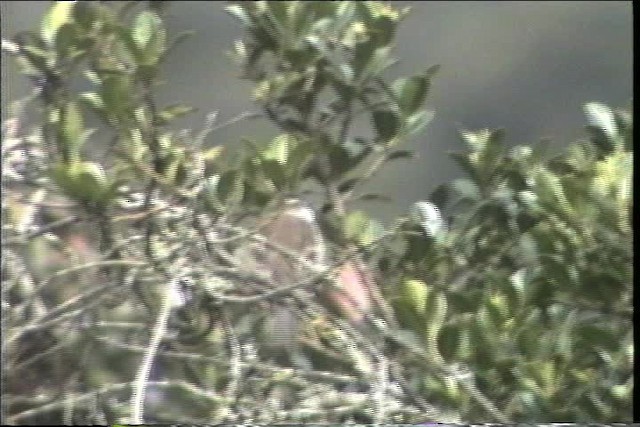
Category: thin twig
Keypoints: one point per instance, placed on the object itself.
(142, 377)
(24, 238)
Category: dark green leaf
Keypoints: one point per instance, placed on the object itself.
(374, 197)
(440, 196)
(363, 55)
(36, 60)
(466, 189)
(276, 172)
(464, 161)
(85, 14)
(449, 341)
(116, 91)
(66, 41)
(378, 62)
(598, 336)
(231, 188)
(342, 161)
(400, 154)
(387, 124)
(179, 39)
(348, 185)
(411, 92)
(436, 312)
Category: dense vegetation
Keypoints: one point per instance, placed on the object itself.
(120, 274)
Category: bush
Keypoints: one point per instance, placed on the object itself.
(134, 286)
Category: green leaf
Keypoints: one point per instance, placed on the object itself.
(417, 248)
(354, 223)
(149, 37)
(172, 112)
(411, 92)
(231, 188)
(466, 189)
(280, 148)
(211, 199)
(33, 61)
(371, 234)
(415, 293)
(275, 172)
(145, 28)
(280, 11)
(477, 140)
(409, 339)
(492, 153)
(66, 41)
(71, 130)
(85, 14)
(322, 9)
(300, 158)
(440, 196)
(363, 56)
(348, 185)
(212, 153)
(565, 339)
(432, 71)
(374, 197)
(59, 14)
(345, 157)
(465, 163)
(380, 19)
(239, 12)
(383, 30)
(179, 39)
(387, 124)
(448, 341)
(436, 312)
(400, 154)
(116, 93)
(378, 62)
(601, 117)
(497, 308)
(416, 122)
(92, 181)
(83, 181)
(429, 217)
(93, 100)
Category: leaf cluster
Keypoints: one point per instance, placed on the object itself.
(505, 297)
(534, 272)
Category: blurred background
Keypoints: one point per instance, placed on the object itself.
(525, 66)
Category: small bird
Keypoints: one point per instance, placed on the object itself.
(295, 228)
(292, 228)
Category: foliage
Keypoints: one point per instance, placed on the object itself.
(534, 272)
(123, 276)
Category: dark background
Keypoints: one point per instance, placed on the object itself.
(525, 66)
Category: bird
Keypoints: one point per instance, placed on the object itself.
(292, 228)
(295, 228)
